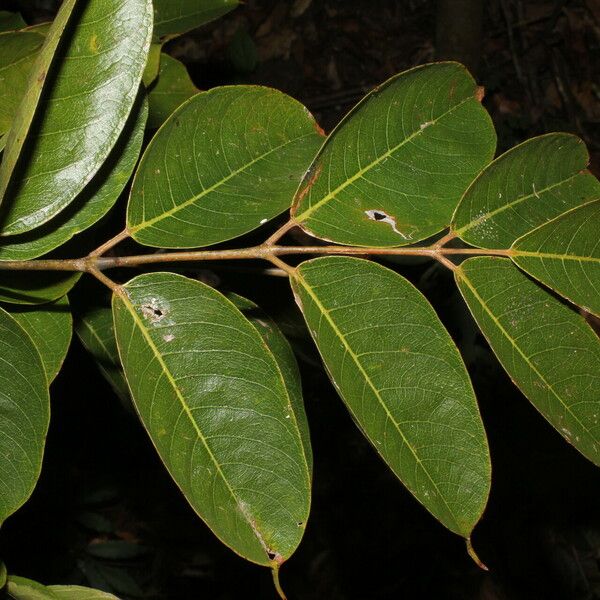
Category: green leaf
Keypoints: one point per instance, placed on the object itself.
(394, 169)
(20, 588)
(23, 287)
(152, 65)
(23, 117)
(524, 188)
(75, 592)
(96, 199)
(402, 379)
(212, 398)
(172, 18)
(286, 361)
(548, 350)
(18, 51)
(224, 163)
(89, 91)
(10, 20)
(94, 327)
(564, 254)
(50, 327)
(24, 415)
(172, 88)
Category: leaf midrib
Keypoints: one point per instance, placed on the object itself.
(519, 200)
(213, 187)
(356, 360)
(361, 172)
(515, 252)
(460, 273)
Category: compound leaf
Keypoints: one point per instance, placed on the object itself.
(213, 400)
(24, 415)
(50, 327)
(88, 93)
(403, 381)
(524, 188)
(564, 254)
(224, 163)
(548, 350)
(173, 18)
(395, 168)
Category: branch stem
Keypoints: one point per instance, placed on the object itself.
(264, 252)
(111, 243)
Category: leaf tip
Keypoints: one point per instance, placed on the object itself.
(471, 552)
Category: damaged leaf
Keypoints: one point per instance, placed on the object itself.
(407, 151)
(213, 399)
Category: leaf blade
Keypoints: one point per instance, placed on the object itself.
(24, 415)
(564, 254)
(360, 310)
(172, 18)
(234, 188)
(548, 350)
(93, 203)
(524, 188)
(91, 88)
(50, 327)
(263, 491)
(389, 186)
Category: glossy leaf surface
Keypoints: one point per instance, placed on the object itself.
(395, 168)
(172, 88)
(402, 379)
(21, 287)
(89, 92)
(223, 164)
(213, 400)
(286, 361)
(98, 197)
(24, 415)
(548, 350)
(50, 327)
(171, 18)
(76, 592)
(524, 188)
(564, 254)
(23, 117)
(18, 51)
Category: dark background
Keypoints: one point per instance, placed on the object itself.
(106, 513)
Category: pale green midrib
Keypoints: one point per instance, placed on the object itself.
(541, 255)
(359, 174)
(92, 330)
(461, 273)
(158, 356)
(339, 334)
(212, 188)
(516, 202)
